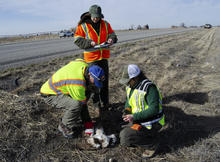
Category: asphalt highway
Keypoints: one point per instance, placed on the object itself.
(23, 53)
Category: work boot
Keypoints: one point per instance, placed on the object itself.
(67, 132)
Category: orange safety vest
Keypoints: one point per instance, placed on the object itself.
(86, 31)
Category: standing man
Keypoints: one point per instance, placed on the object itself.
(92, 30)
(70, 88)
(143, 110)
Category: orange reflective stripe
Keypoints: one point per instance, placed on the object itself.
(83, 101)
(106, 26)
(70, 82)
(84, 71)
(103, 32)
(91, 50)
(95, 31)
(51, 85)
(85, 29)
(79, 33)
(77, 37)
(136, 127)
(80, 60)
(128, 109)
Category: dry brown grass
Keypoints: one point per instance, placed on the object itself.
(176, 63)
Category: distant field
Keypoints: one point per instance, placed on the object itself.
(22, 38)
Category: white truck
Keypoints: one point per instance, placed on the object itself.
(64, 34)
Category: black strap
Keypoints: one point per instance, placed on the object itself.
(44, 96)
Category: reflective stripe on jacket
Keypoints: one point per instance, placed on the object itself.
(138, 103)
(86, 31)
(70, 80)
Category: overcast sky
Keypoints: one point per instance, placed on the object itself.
(30, 16)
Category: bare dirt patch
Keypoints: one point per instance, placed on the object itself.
(186, 68)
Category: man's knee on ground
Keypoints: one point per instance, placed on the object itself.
(126, 138)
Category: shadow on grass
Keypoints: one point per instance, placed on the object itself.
(184, 130)
(112, 118)
(181, 130)
(194, 98)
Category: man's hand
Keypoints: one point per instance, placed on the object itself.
(128, 118)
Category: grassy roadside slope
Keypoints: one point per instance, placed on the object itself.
(185, 67)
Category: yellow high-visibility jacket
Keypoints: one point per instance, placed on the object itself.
(137, 102)
(70, 79)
